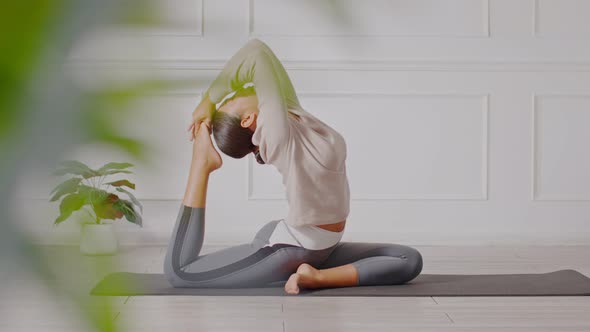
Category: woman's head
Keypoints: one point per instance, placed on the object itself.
(234, 123)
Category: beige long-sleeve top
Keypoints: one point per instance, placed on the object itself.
(309, 154)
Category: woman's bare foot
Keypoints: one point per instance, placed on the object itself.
(306, 277)
(309, 277)
(204, 153)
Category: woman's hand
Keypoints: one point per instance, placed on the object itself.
(202, 114)
(205, 156)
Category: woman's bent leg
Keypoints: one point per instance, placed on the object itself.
(377, 263)
(254, 264)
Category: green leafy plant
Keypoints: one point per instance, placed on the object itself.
(85, 188)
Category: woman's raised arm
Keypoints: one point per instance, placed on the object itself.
(255, 62)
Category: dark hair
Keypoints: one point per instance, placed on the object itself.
(231, 138)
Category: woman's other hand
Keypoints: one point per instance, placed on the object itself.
(205, 156)
(202, 114)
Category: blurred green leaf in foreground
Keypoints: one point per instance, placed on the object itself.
(43, 114)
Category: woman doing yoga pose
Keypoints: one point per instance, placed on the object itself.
(304, 249)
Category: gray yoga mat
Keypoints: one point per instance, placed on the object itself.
(558, 283)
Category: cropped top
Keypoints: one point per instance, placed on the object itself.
(309, 154)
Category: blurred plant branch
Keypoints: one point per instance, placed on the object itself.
(42, 115)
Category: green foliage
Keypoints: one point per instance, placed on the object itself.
(102, 109)
(113, 166)
(69, 204)
(121, 183)
(106, 205)
(15, 61)
(36, 105)
(66, 187)
(132, 197)
(126, 207)
(77, 168)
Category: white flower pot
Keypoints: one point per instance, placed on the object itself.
(98, 239)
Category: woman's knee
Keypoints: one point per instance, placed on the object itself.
(171, 271)
(415, 263)
(170, 274)
(413, 260)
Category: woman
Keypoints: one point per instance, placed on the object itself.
(304, 249)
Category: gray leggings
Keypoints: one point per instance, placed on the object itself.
(256, 264)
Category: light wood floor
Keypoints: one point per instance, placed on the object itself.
(27, 305)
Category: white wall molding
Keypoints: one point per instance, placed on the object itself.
(344, 65)
(251, 196)
(535, 146)
(500, 51)
(535, 19)
(484, 33)
(575, 29)
(196, 31)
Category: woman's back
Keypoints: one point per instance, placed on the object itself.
(309, 154)
(313, 167)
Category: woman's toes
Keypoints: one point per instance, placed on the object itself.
(306, 277)
(292, 285)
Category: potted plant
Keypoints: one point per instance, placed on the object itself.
(85, 190)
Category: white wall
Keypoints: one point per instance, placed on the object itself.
(467, 121)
